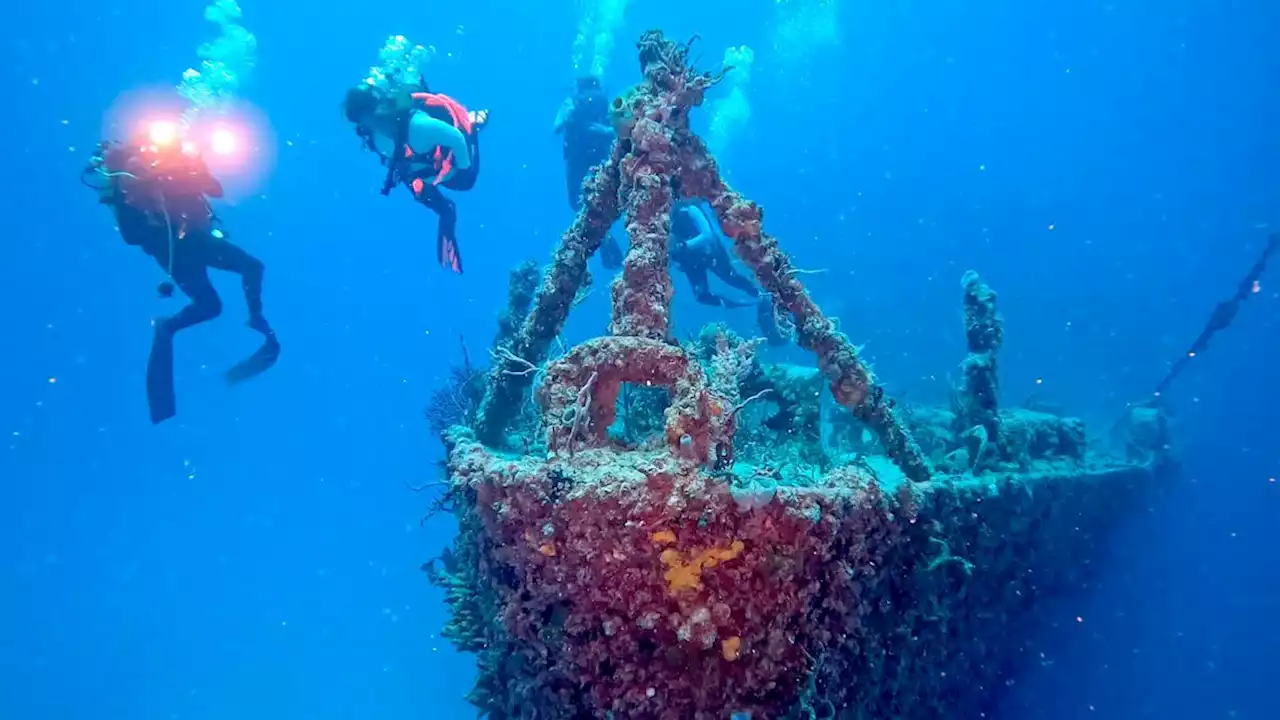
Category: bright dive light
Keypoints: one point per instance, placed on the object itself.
(163, 132)
(222, 142)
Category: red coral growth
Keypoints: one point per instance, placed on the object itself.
(642, 293)
(658, 118)
(603, 618)
(636, 585)
(580, 391)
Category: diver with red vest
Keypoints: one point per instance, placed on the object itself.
(427, 141)
(159, 189)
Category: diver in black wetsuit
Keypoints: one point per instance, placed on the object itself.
(588, 138)
(696, 249)
(159, 194)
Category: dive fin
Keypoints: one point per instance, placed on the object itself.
(160, 395)
(447, 253)
(255, 364)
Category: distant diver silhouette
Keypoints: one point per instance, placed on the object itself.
(1223, 314)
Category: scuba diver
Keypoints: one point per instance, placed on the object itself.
(696, 248)
(158, 188)
(1224, 313)
(427, 141)
(588, 137)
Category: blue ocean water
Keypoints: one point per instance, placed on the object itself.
(1110, 168)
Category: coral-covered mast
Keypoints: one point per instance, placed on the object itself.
(984, 333)
(642, 293)
(564, 277)
(656, 157)
(852, 382)
(580, 391)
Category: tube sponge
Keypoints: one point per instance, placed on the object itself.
(594, 42)
(225, 64)
(731, 112)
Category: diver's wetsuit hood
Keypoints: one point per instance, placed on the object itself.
(360, 104)
(589, 102)
(365, 101)
(363, 106)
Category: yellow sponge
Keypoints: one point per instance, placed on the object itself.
(682, 576)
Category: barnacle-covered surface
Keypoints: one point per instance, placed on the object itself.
(628, 582)
(657, 530)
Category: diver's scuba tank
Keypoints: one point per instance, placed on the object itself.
(109, 193)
